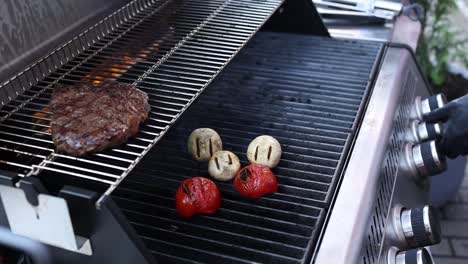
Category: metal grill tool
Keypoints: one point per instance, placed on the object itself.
(169, 49)
(305, 91)
(358, 8)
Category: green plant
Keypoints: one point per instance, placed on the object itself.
(440, 44)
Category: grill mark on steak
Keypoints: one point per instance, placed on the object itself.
(88, 118)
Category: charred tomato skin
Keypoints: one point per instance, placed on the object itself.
(255, 180)
(197, 195)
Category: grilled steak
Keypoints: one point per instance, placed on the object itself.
(88, 118)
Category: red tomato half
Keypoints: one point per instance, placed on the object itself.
(255, 180)
(197, 195)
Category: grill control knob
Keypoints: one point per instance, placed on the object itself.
(424, 106)
(425, 159)
(414, 256)
(426, 131)
(432, 103)
(420, 226)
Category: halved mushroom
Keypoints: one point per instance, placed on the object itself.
(203, 143)
(223, 166)
(265, 150)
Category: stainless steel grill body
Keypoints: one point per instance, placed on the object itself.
(339, 108)
(396, 187)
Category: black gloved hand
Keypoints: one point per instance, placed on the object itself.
(454, 141)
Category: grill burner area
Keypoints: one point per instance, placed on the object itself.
(305, 91)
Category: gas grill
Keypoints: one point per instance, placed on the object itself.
(356, 156)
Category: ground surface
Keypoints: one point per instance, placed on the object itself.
(454, 246)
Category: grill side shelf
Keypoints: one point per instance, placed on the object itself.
(170, 49)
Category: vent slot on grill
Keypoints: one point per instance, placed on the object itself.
(306, 92)
(170, 49)
(375, 235)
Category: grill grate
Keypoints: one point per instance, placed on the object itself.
(305, 91)
(169, 49)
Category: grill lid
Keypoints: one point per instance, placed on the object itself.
(305, 91)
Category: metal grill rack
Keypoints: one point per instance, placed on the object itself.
(170, 49)
(305, 91)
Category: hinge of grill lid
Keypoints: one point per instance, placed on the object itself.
(30, 212)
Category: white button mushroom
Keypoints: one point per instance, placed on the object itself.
(223, 166)
(203, 143)
(265, 150)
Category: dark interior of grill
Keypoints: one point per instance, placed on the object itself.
(306, 92)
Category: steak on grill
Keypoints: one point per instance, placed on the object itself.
(88, 118)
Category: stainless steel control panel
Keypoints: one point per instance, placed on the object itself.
(412, 224)
(402, 223)
(381, 213)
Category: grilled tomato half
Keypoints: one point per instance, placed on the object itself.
(255, 180)
(197, 195)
